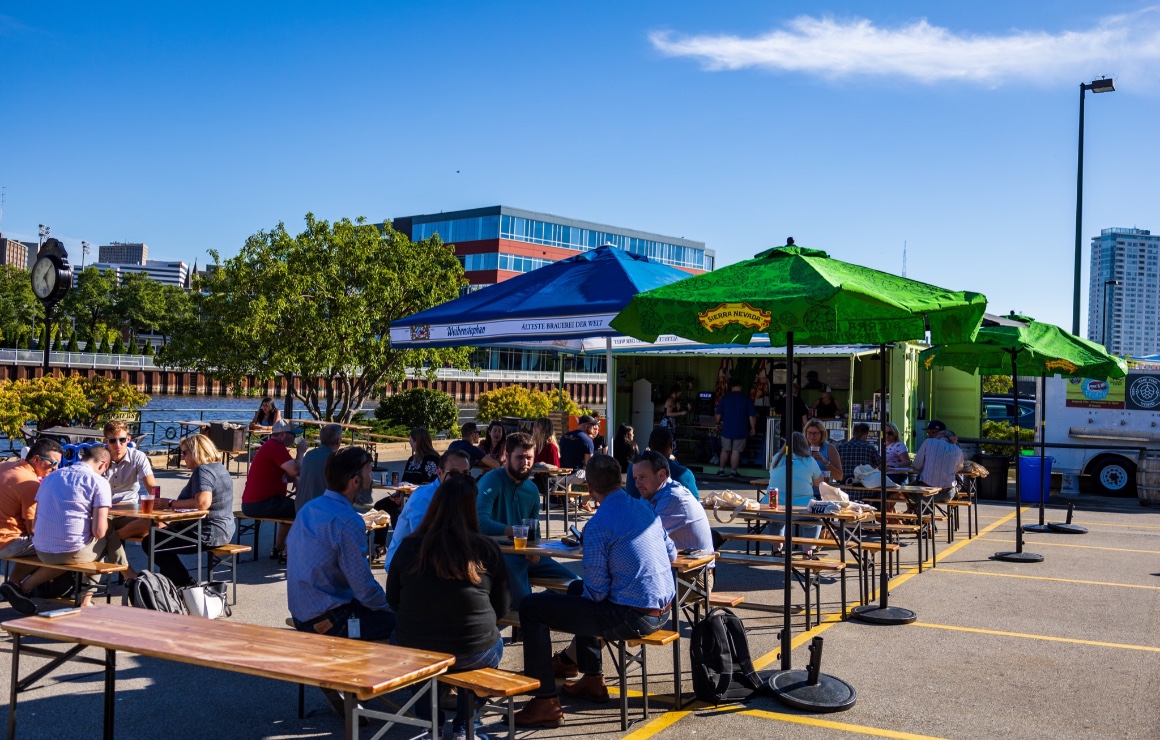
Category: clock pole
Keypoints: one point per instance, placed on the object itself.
(48, 310)
(51, 279)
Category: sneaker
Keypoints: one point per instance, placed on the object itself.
(19, 601)
(720, 471)
(277, 553)
(734, 474)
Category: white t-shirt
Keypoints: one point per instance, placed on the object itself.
(125, 476)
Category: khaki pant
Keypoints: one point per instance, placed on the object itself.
(108, 548)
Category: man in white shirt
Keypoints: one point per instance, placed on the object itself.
(939, 461)
(129, 468)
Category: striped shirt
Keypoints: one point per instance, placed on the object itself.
(683, 518)
(627, 555)
(938, 461)
(66, 502)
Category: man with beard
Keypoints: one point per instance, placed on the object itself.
(507, 497)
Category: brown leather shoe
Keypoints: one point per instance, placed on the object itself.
(591, 688)
(562, 669)
(541, 712)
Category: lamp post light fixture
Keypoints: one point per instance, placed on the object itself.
(43, 233)
(1101, 85)
(1104, 324)
(85, 247)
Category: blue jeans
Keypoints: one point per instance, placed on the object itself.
(489, 658)
(541, 613)
(520, 569)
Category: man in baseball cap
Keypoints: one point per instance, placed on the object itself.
(938, 461)
(271, 469)
(935, 426)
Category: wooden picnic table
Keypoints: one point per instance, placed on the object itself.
(361, 670)
(354, 428)
(166, 516)
(548, 472)
(921, 497)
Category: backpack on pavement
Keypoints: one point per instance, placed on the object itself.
(154, 591)
(722, 667)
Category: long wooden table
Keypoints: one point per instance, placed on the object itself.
(167, 516)
(360, 670)
(921, 497)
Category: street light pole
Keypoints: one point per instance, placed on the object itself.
(1104, 322)
(1096, 86)
(85, 246)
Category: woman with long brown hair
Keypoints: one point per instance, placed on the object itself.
(423, 464)
(448, 585)
(492, 443)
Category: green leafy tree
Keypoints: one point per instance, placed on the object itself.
(72, 343)
(69, 401)
(525, 403)
(420, 407)
(19, 308)
(118, 345)
(997, 384)
(318, 306)
(177, 311)
(139, 304)
(91, 299)
(103, 345)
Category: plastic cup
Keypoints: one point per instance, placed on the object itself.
(147, 504)
(520, 536)
(531, 525)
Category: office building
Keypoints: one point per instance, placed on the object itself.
(123, 253)
(13, 252)
(1124, 291)
(166, 273)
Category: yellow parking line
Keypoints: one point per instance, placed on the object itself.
(1126, 526)
(656, 725)
(1072, 640)
(1046, 578)
(1041, 543)
(799, 719)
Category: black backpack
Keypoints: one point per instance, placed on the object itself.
(153, 591)
(722, 668)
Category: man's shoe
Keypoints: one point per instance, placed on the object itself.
(19, 601)
(734, 474)
(590, 688)
(562, 668)
(720, 471)
(540, 712)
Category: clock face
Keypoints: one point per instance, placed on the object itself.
(43, 277)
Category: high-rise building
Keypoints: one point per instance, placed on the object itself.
(123, 253)
(1124, 291)
(166, 273)
(13, 252)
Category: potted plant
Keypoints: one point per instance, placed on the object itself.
(996, 458)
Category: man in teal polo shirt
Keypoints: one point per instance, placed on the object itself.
(507, 497)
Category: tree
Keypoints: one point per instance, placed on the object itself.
(19, 308)
(318, 306)
(91, 299)
(70, 401)
(138, 304)
(997, 384)
(72, 343)
(118, 345)
(103, 345)
(421, 407)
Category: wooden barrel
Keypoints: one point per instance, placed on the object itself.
(1148, 478)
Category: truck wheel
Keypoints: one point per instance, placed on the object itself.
(1113, 476)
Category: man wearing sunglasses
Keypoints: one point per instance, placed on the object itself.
(129, 468)
(452, 463)
(19, 482)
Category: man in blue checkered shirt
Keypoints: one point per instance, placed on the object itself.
(626, 593)
(857, 451)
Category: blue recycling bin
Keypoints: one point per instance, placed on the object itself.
(1029, 479)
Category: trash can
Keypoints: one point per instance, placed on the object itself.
(994, 486)
(1029, 489)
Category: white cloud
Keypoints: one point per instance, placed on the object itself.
(1123, 45)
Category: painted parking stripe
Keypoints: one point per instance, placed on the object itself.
(1049, 638)
(1041, 543)
(800, 719)
(656, 725)
(1047, 578)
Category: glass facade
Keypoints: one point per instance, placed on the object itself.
(495, 358)
(493, 261)
(458, 230)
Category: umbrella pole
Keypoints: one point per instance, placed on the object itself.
(609, 394)
(1042, 410)
(1018, 556)
(809, 690)
(882, 612)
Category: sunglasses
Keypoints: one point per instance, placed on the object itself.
(117, 440)
(453, 473)
(49, 461)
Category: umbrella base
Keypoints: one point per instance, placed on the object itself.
(1063, 528)
(1018, 557)
(1040, 528)
(888, 615)
(829, 694)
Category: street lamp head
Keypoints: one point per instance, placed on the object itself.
(1102, 85)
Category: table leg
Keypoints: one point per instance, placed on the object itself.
(12, 686)
(933, 539)
(199, 521)
(152, 542)
(349, 705)
(548, 511)
(433, 690)
(110, 691)
(676, 619)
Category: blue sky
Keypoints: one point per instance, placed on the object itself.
(853, 128)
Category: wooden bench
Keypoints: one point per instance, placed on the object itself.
(360, 670)
(490, 684)
(806, 571)
(255, 526)
(216, 556)
(79, 570)
(626, 656)
(721, 598)
(552, 584)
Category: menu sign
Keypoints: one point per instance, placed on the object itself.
(1095, 394)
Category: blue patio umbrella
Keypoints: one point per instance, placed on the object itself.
(557, 306)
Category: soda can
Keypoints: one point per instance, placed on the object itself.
(395, 478)
(773, 492)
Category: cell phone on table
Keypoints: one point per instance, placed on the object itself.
(53, 613)
(576, 533)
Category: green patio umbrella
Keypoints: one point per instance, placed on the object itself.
(1019, 345)
(801, 295)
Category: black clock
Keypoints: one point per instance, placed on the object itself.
(51, 274)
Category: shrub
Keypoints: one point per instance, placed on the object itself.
(1003, 430)
(524, 403)
(420, 407)
(69, 401)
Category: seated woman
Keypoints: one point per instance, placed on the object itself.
(265, 416)
(624, 448)
(897, 456)
(210, 489)
(448, 585)
(423, 464)
(824, 452)
(492, 443)
(544, 435)
(806, 476)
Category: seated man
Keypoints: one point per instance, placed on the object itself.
(72, 519)
(507, 497)
(938, 461)
(128, 468)
(312, 476)
(469, 443)
(19, 482)
(661, 440)
(857, 451)
(453, 462)
(626, 593)
(271, 470)
(576, 446)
